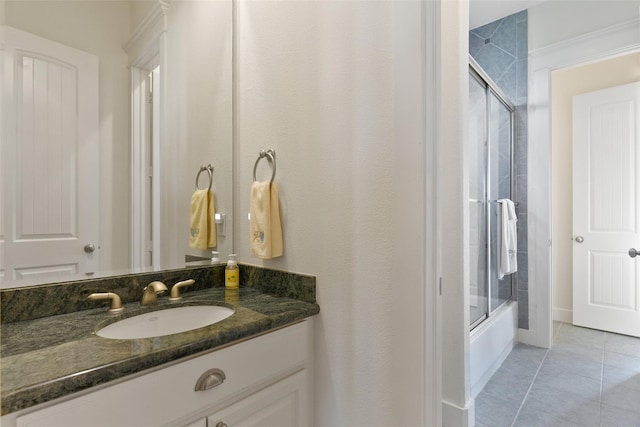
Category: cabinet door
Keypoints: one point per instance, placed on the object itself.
(283, 404)
(166, 397)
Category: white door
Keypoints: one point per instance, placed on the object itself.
(145, 188)
(606, 209)
(50, 158)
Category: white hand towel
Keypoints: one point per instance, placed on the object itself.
(202, 226)
(265, 227)
(508, 238)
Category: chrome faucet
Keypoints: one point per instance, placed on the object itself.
(150, 293)
(116, 302)
(175, 290)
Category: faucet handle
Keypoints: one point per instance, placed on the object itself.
(116, 302)
(175, 290)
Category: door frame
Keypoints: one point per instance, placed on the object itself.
(146, 50)
(616, 40)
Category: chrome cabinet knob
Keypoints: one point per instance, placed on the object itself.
(89, 248)
(633, 252)
(579, 239)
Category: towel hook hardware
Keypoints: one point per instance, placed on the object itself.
(209, 169)
(270, 154)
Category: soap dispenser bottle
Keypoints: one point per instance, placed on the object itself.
(232, 273)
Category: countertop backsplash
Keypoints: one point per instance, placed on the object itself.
(34, 302)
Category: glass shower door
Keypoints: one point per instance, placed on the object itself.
(500, 181)
(490, 150)
(478, 301)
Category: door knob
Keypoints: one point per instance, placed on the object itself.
(579, 239)
(633, 252)
(89, 248)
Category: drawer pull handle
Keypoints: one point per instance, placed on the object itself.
(221, 424)
(210, 379)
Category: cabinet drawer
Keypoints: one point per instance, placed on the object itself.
(169, 394)
(283, 404)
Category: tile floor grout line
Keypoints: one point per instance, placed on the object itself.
(524, 399)
(556, 333)
(604, 349)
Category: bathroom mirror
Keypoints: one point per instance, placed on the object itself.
(109, 110)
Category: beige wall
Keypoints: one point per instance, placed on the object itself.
(199, 117)
(315, 82)
(565, 84)
(139, 11)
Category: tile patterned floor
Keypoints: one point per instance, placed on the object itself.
(589, 378)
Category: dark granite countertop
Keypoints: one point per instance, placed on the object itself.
(50, 357)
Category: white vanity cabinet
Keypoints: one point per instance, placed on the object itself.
(267, 382)
(283, 404)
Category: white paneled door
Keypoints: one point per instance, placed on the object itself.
(50, 158)
(606, 209)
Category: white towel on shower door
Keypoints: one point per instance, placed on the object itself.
(508, 238)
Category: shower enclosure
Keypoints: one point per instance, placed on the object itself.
(491, 134)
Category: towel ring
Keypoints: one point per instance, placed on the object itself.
(271, 158)
(209, 170)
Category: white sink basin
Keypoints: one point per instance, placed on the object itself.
(165, 322)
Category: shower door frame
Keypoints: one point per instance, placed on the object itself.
(476, 72)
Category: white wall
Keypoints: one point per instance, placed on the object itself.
(100, 28)
(482, 12)
(315, 83)
(556, 20)
(565, 84)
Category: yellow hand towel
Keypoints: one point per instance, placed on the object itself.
(202, 226)
(265, 227)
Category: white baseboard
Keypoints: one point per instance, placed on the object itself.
(562, 315)
(527, 336)
(453, 415)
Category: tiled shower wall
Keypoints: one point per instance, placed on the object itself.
(500, 48)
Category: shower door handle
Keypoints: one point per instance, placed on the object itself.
(633, 252)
